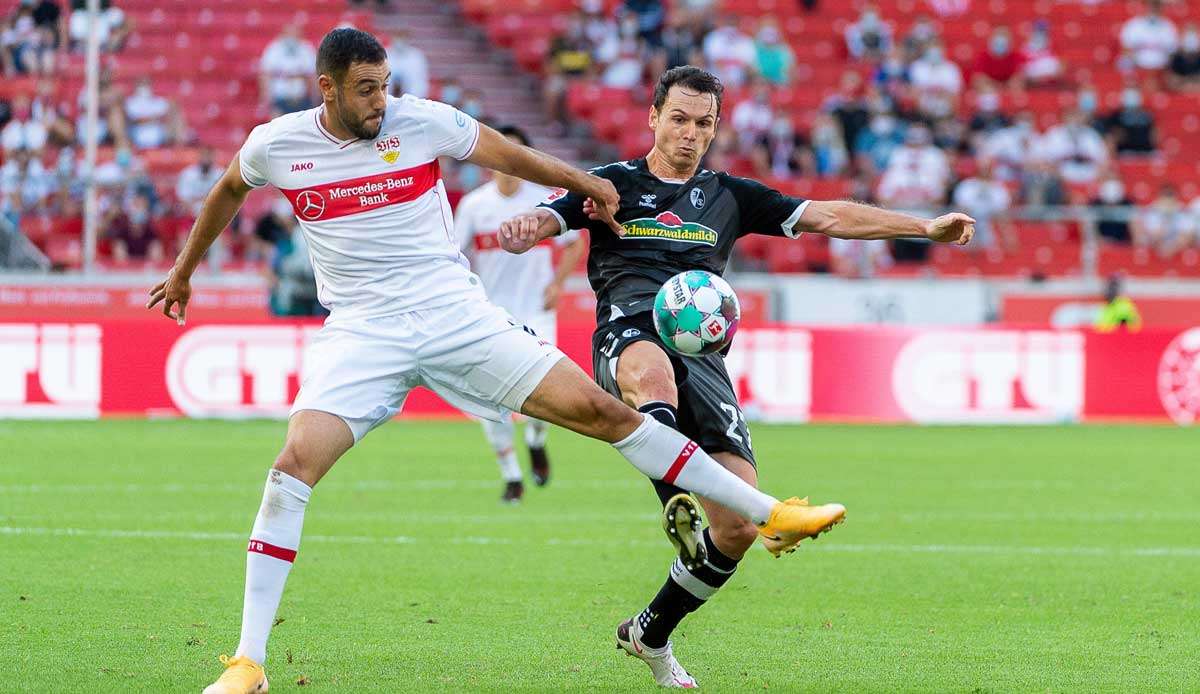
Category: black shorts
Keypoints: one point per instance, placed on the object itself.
(708, 407)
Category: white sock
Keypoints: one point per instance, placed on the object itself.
(500, 436)
(662, 453)
(535, 433)
(269, 557)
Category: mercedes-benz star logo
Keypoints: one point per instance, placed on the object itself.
(310, 205)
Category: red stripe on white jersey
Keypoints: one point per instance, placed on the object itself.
(490, 241)
(676, 467)
(260, 547)
(354, 195)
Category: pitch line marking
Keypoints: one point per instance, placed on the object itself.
(1001, 550)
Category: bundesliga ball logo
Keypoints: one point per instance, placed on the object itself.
(696, 313)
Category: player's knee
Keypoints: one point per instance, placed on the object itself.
(656, 383)
(293, 461)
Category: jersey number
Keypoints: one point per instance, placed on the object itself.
(735, 417)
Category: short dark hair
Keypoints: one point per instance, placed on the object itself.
(345, 46)
(514, 131)
(692, 78)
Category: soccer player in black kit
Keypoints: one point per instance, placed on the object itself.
(677, 216)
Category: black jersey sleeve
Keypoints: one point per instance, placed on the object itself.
(763, 209)
(569, 206)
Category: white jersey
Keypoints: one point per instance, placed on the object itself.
(516, 282)
(374, 212)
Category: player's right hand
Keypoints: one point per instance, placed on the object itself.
(602, 205)
(173, 291)
(520, 233)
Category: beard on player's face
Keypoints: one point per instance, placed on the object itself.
(359, 122)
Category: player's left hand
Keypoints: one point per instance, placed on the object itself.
(603, 205)
(519, 234)
(550, 296)
(955, 227)
(173, 291)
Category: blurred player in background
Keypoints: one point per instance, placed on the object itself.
(527, 286)
(661, 195)
(362, 174)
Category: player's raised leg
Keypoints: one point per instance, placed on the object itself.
(315, 440)
(500, 436)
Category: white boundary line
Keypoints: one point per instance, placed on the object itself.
(1001, 550)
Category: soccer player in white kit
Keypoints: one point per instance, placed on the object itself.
(527, 286)
(361, 172)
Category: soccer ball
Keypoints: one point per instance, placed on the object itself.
(696, 313)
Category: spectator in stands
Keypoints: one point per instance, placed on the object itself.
(858, 258)
(782, 152)
(1042, 66)
(1165, 225)
(569, 57)
(649, 16)
(272, 227)
(451, 92)
(23, 132)
(680, 44)
(625, 70)
(1184, 73)
(1009, 149)
(410, 68)
(1131, 127)
(1148, 40)
(694, 15)
(152, 120)
(987, 200)
(111, 121)
(875, 144)
(195, 181)
(937, 82)
(999, 63)
(730, 54)
(52, 23)
(1111, 206)
(850, 107)
(285, 72)
(114, 26)
(1088, 103)
(293, 283)
(22, 47)
(47, 110)
(870, 38)
(752, 118)
(24, 184)
(775, 57)
(1075, 148)
(950, 8)
(917, 174)
(918, 38)
(1042, 184)
(472, 104)
(988, 118)
(828, 146)
(134, 234)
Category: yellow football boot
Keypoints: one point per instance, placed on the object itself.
(793, 520)
(241, 676)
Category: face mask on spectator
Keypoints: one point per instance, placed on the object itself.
(882, 125)
(473, 108)
(1038, 42)
(451, 93)
(934, 55)
(1191, 42)
(870, 20)
(1087, 102)
(989, 102)
(1131, 98)
(781, 128)
(769, 35)
(999, 45)
(124, 158)
(139, 217)
(1112, 191)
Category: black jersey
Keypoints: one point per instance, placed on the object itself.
(669, 228)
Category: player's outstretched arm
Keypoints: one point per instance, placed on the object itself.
(222, 203)
(851, 220)
(527, 229)
(496, 152)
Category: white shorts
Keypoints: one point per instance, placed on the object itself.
(470, 353)
(543, 324)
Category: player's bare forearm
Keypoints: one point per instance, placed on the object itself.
(218, 210)
(851, 220)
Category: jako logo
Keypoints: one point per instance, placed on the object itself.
(302, 166)
(990, 376)
(231, 371)
(50, 370)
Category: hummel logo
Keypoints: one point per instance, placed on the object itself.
(648, 201)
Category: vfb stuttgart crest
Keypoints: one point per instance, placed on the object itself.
(389, 149)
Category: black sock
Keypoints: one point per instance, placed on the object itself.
(674, 602)
(666, 414)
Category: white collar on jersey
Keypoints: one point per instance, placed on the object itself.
(328, 135)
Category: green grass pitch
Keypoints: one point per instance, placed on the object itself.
(972, 560)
